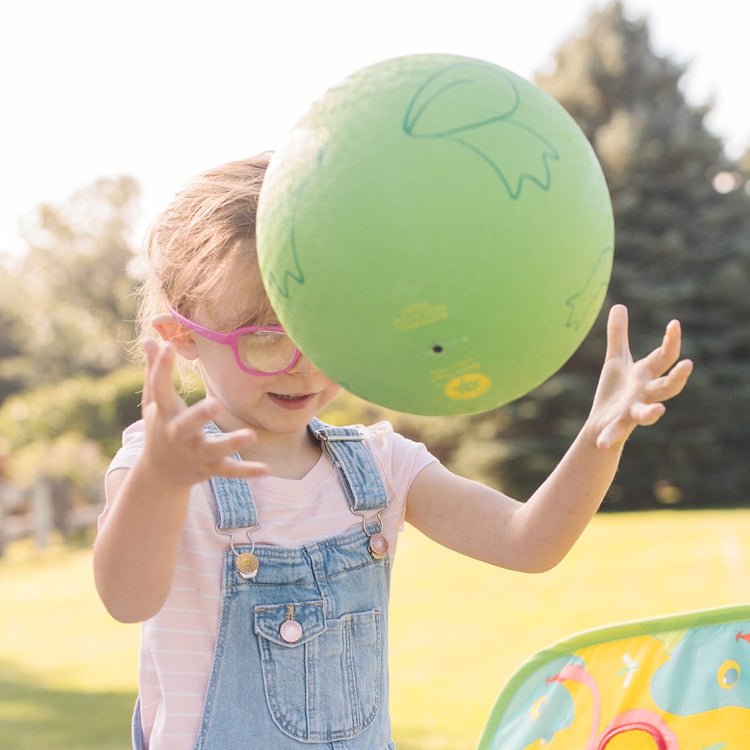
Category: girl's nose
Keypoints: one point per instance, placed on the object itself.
(302, 366)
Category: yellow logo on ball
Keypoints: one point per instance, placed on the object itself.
(468, 386)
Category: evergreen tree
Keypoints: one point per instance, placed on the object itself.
(682, 250)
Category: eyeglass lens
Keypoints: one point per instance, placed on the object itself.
(266, 351)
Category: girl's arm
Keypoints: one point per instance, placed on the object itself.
(135, 552)
(534, 536)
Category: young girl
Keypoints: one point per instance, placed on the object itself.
(255, 543)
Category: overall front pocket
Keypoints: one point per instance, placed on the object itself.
(321, 676)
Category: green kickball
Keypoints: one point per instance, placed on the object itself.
(436, 234)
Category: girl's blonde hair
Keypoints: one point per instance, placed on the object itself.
(205, 238)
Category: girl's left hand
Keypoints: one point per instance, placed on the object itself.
(632, 393)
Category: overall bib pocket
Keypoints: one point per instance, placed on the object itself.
(321, 675)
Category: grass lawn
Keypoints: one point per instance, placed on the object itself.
(458, 628)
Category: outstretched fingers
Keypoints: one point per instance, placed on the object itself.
(158, 388)
(633, 393)
(618, 343)
(221, 454)
(667, 374)
(230, 467)
(645, 413)
(666, 355)
(669, 385)
(175, 430)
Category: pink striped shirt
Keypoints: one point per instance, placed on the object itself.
(177, 644)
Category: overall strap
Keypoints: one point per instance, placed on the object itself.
(356, 468)
(344, 447)
(235, 507)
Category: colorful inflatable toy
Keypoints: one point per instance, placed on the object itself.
(673, 683)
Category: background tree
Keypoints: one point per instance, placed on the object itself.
(74, 289)
(12, 340)
(682, 249)
(743, 169)
(64, 310)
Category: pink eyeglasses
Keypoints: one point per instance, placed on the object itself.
(259, 350)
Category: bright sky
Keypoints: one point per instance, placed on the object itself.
(162, 89)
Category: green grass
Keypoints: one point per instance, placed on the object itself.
(67, 670)
(458, 628)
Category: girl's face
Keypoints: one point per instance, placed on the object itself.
(274, 404)
(282, 403)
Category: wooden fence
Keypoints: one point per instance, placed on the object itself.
(50, 509)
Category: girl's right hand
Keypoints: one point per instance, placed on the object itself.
(175, 444)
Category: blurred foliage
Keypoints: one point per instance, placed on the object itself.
(682, 218)
(72, 465)
(12, 338)
(68, 431)
(65, 311)
(66, 306)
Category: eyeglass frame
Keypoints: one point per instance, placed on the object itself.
(231, 338)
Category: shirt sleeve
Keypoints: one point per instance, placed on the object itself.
(399, 459)
(132, 444)
(133, 438)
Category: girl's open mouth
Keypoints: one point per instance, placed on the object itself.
(291, 401)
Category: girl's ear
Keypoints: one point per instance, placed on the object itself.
(170, 330)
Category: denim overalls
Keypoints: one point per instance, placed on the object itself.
(301, 653)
